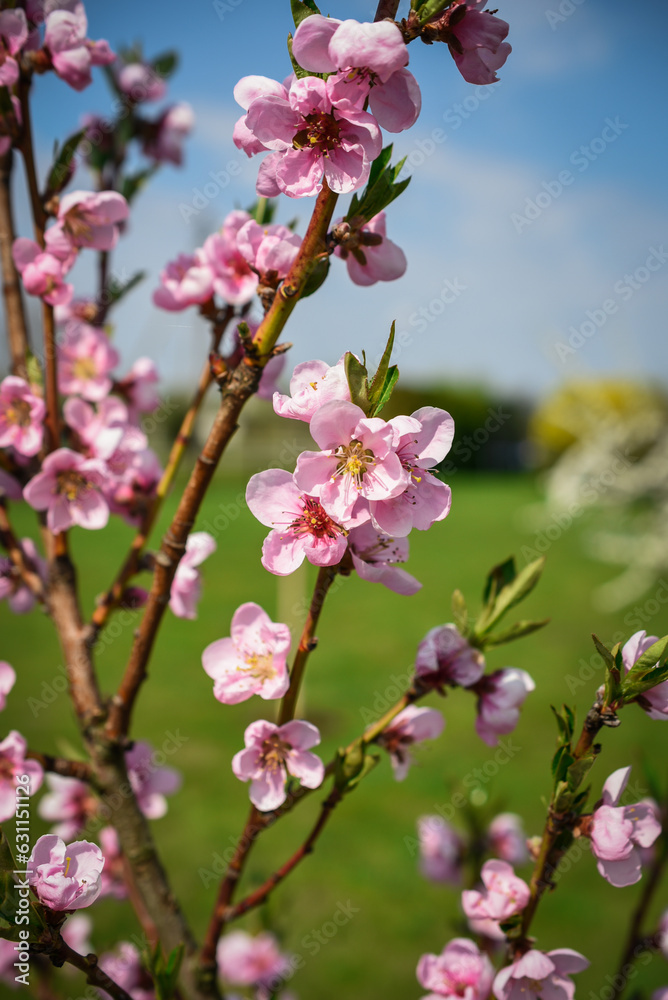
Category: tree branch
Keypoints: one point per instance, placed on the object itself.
(386, 8)
(79, 769)
(17, 329)
(23, 564)
(87, 964)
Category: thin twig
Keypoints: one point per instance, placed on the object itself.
(79, 769)
(24, 566)
(17, 328)
(88, 964)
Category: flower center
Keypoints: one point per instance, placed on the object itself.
(18, 412)
(259, 665)
(274, 752)
(77, 224)
(314, 521)
(6, 769)
(72, 484)
(84, 368)
(354, 459)
(321, 132)
(383, 551)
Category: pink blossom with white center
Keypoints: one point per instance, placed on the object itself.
(252, 660)
(654, 701)
(140, 82)
(311, 138)
(499, 698)
(300, 526)
(445, 657)
(475, 38)
(504, 895)
(313, 383)
(460, 971)
(113, 875)
(139, 387)
(72, 54)
(21, 416)
(441, 850)
(97, 430)
(65, 877)
(186, 281)
(165, 138)
(91, 218)
(69, 489)
(150, 783)
(412, 725)
(507, 839)
(7, 681)
(125, 967)
(41, 271)
(76, 933)
(375, 557)
(233, 278)
(85, 360)
(367, 61)
(617, 831)
(272, 753)
(246, 960)
(357, 460)
(421, 441)
(270, 250)
(661, 993)
(187, 582)
(13, 765)
(13, 36)
(13, 588)
(369, 255)
(540, 974)
(9, 487)
(69, 803)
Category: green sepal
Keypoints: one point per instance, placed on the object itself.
(650, 669)
(6, 106)
(352, 766)
(133, 183)
(116, 291)
(164, 973)
(59, 174)
(460, 612)
(356, 375)
(316, 277)
(381, 190)
(430, 8)
(613, 678)
(165, 64)
(301, 9)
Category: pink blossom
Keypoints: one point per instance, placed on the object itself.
(252, 660)
(76, 933)
(300, 526)
(72, 53)
(357, 460)
(99, 431)
(540, 974)
(312, 384)
(69, 803)
(460, 971)
(499, 698)
(21, 416)
(150, 783)
(270, 250)
(165, 137)
(244, 960)
(271, 753)
(140, 82)
(42, 272)
(65, 877)
(504, 895)
(369, 255)
(69, 489)
(77, 308)
(138, 472)
(20, 598)
(375, 557)
(310, 137)
(9, 487)
(184, 282)
(187, 582)
(654, 701)
(91, 218)
(445, 657)
(421, 442)
(233, 278)
(366, 62)
(125, 968)
(507, 839)
(412, 725)
(13, 36)
(441, 850)
(85, 360)
(271, 372)
(7, 681)
(617, 831)
(139, 387)
(113, 875)
(475, 39)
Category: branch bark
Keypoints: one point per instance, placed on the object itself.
(17, 328)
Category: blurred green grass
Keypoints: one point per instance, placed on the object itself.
(365, 859)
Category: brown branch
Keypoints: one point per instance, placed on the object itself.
(307, 642)
(386, 8)
(87, 964)
(17, 329)
(79, 769)
(24, 566)
(26, 146)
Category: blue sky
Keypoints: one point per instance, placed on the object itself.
(490, 294)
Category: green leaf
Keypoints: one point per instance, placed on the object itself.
(383, 382)
(59, 174)
(302, 9)
(381, 189)
(579, 769)
(561, 761)
(509, 594)
(317, 276)
(356, 374)
(133, 183)
(353, 766)
(165, 64)
(299, 71)
(649, 670)
(460, 612)
(263, 211)
(498, 578)
(430, 8)
(516, 631)
(6, 106)
(565, 726)
(34, 370)
(604, 651)
(116, 291)
(613, 674)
